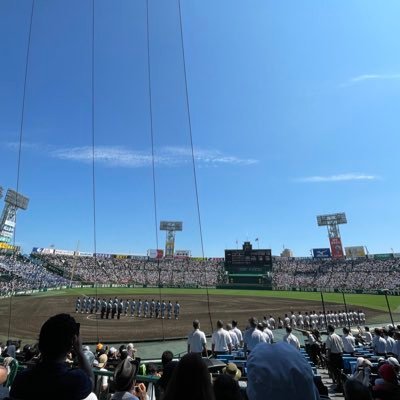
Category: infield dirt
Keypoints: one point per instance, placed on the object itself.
(28, 313)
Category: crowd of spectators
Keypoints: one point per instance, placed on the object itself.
(363, 274)
(139, 271)
(250, 365)
(56, 270)
(19, 273)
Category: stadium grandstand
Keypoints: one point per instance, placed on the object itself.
(52, 270)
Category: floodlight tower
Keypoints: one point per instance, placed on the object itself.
(13, 202)
(170, 227)
(332, 222)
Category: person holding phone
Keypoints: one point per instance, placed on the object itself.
(51, 378)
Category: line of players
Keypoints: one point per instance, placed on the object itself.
(116, 308)
(312, 320)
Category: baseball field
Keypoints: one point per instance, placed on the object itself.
(22, 316)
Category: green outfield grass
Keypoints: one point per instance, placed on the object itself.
(376, 302)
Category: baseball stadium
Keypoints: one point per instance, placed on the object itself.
(208, 124)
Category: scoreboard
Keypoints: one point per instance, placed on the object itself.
(248, 261)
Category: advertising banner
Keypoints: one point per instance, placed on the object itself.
(336, 247)
(6, 246)
(4, 239)
(182, 253)
(42, 250)
(385, 256)
(64, 252)
(321, 253)
(85, 254)
(169, 248)
(155, 253)
(9, 223)
(355, 252)
(7, 234)
(103, 255)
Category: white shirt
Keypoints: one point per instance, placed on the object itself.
(196, 341)
(292, 340)
(390, 344)
(234, 338)
(379, 345)
(238, 334)
(368, 337)
(221, 339)
(349, 343)
(270, 334)
(334, 343)
(252, 337)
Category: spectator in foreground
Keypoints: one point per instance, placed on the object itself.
(226, 388)
(190, 380)
(221, 342)
(252, 336)
(125, 379)
(291, 339)
(389, 388)
(279, 372)
(355, 390)
(50, 378)
(3, 379)
(197, 342)
(334, 348)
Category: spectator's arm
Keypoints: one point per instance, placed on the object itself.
(82, 360)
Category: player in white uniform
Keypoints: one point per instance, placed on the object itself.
(152, 307)
(293, 319)
(146, 308)
(177, 309)
(169, 309)
(271, 322)
(300, 320)
(133, 307)
(139, 308)
(163, 308)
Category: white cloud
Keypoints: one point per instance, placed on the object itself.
(371, 77)
(339, 178)
(117, 156)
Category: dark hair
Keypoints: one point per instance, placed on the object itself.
(190, 380)
(331, 328)
(346, 330)
(196, 323)
(226, 388)
(166, 357)
(234, 323)
(56, 335)
(288, 329)
(220, 324)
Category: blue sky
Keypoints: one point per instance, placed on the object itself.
(294, 107)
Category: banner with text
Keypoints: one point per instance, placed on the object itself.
(336, 247)
(321, 253)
